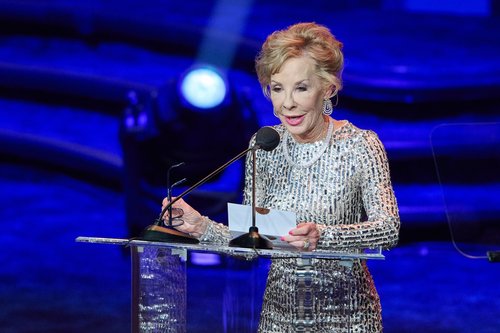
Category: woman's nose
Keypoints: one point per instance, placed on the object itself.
(288, 102)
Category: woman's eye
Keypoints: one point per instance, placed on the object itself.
(276, 89)
(301, 88)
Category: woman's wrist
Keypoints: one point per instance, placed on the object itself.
(200, 227)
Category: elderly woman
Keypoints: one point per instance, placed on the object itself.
(333, 175)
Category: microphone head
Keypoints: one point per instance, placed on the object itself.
(267, 138)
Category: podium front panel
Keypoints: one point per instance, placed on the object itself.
(158, 290)
(167, 297)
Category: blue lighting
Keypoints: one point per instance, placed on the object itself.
(203, 88)
(205, 259)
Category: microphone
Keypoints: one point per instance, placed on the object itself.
(267, 138)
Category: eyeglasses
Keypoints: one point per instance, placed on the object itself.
(174, 217)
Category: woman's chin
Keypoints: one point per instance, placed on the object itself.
(296, 131)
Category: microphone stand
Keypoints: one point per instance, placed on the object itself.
(158, 232)
(267, 139)
(252, 239)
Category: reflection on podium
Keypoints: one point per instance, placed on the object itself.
(162, 300)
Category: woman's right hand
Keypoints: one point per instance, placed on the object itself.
(193, 223)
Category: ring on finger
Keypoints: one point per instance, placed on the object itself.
(306, 244)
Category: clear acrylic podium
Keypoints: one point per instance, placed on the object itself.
(160, 285)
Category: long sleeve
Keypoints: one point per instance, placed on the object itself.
(381, 229)
(216, 233)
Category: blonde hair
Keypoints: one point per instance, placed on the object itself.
(311, 39)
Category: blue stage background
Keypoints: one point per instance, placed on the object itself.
(67, 157)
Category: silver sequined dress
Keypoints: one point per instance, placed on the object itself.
(348, 193)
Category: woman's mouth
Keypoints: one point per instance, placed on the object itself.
(294, 121)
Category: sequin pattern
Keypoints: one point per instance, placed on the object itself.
(161, 291)
(348, 194)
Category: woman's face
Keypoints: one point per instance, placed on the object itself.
(297, 95)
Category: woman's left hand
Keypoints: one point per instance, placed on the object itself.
(304, 237)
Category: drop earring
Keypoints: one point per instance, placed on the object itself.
(327, 107)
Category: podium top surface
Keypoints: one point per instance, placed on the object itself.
(277, 252)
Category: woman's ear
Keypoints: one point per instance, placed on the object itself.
(330, 91)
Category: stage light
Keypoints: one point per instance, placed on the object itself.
(203, 88)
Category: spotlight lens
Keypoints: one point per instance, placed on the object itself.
(203, 88)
